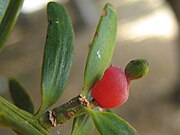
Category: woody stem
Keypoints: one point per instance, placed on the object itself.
(65, 112)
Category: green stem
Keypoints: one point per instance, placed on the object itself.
(65, 112)
(19, 120)
(28, 124)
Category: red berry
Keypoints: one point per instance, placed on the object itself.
(113, 89)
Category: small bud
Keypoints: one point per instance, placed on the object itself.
(136, 69)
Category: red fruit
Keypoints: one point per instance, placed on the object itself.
(113, 89)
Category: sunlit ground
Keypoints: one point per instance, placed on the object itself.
(31, 6)
(160, 23)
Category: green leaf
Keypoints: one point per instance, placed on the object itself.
(19, 120)
(20, 97)
(3, 7)
(58, 55)
(111, 124)
(9, 10)
(101, 49)
(82, 125)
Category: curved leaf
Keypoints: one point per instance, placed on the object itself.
(20, 97)
(111, 124)
(82, 125)
(19, 120)
(9, 10)
(58, 54)
(102, 48)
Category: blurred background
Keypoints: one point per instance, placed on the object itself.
(147, 29)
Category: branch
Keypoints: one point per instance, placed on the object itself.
(61, 114)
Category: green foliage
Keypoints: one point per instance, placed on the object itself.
(101, 49)
(82, 125)
(9, 10)
(99, 57)
(58, 54)
(111, 124)
(19, 120)
(57, 63)
(3, 7)
(20, 97)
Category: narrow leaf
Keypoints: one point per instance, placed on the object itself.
(19, 120)
(20, 97)
(9, 10)
(3, 7)
(111, 124)
(101, 49)
(58, 54)
(82, 125)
